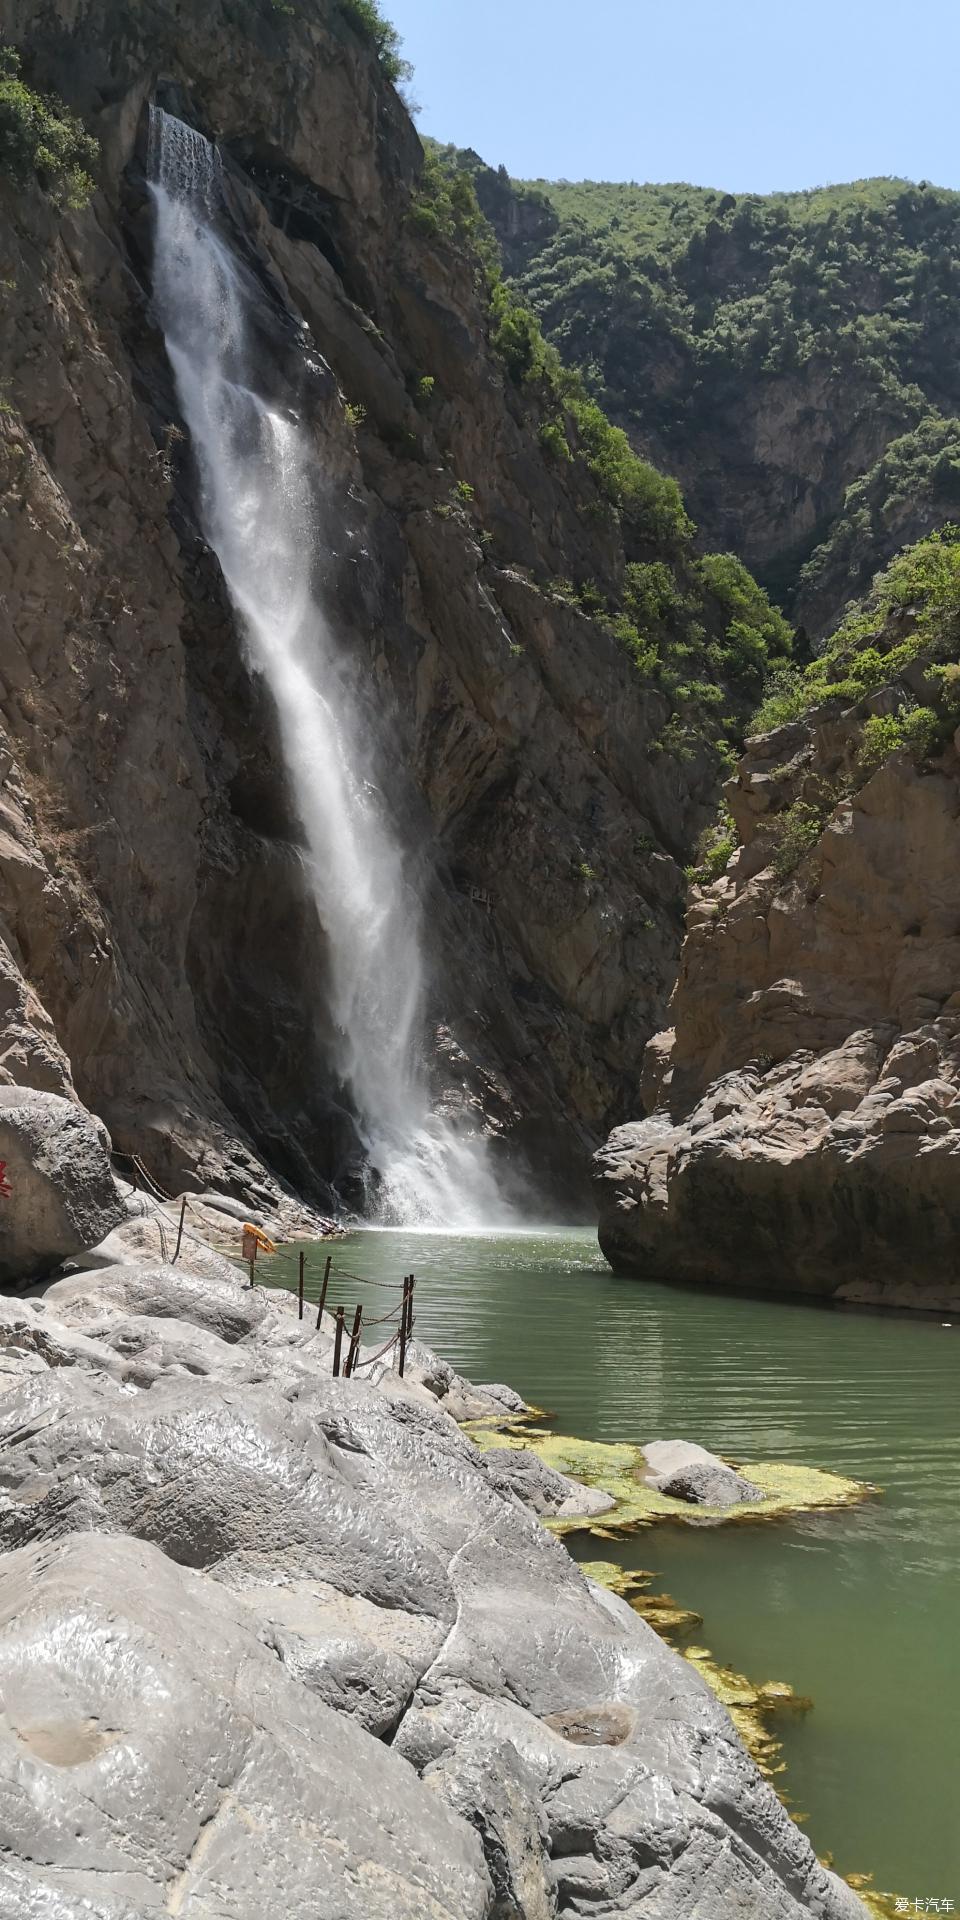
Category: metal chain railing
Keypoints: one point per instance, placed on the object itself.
(401, 1335)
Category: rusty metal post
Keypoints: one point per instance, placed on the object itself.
(338, 1341)
(323, 1289)
(354, 1344)
(403, 1324)
(183, 1209)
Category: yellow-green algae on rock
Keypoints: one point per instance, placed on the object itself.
(750, 1706)
(618, 1468)
(883, 1905)
(634, 1585)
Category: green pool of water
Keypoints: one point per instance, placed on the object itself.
(857, 1608)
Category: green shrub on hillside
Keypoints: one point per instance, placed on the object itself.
(714, 848)
(914, 730)
(40, 140)
(367, 21)
(915, 483)
(912, 611)
(795, 831)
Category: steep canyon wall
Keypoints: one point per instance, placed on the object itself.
(162, 953)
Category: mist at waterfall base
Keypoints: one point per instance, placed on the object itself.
(259, 516)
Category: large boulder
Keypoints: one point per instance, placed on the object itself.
(156, 1757)
(520, 1471)
(339, 1545)
(709, 1487)
(59, 1194)
(804, 1177)
(687, 1472)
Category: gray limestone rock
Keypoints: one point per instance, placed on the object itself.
(688, 1472)
(504, 1397)
(276, 1545)
(488, 1784)
(60, 1194)
(156, 1756)
(666, 1457)
(709, 1487)
(520, 1471)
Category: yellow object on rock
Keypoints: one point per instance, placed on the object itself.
(255, 1242)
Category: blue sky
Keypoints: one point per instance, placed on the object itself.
(749, 95)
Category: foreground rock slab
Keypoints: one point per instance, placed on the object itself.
(157, 1756)
(274, 1642)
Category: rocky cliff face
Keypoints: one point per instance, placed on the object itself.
(162, 958)
(804, 1127)
(764, 349)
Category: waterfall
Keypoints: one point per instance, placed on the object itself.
(257, 506)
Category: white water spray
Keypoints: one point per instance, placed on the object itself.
(258, 515)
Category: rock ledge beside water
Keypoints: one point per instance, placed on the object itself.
(271, 1636)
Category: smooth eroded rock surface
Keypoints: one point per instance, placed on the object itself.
(276, 1642)
(59, 1192)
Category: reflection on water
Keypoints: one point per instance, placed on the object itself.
(857, 1609)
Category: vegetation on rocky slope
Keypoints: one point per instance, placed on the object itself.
(868, 273)
(910, 490)
(367, 20)
(911, 613)
(698, 625)
(888, 681)
(40, 139)
(687, 310)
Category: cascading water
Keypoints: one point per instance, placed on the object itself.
(257, 507)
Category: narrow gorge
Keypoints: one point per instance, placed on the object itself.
(232, 912)
(479, 758)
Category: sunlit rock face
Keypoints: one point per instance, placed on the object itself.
(271, 1636)
(57, 1191)
(804, 1109)
(165, 947)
